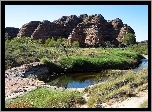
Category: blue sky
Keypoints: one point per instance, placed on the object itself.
(135, 16)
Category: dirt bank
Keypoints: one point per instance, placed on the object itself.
(132, 102)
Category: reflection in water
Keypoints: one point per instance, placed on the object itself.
(81, 80)
(76, 80)
(75, 84)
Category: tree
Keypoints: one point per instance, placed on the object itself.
(129, 39)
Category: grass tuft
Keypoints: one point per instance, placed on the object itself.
(46, 98)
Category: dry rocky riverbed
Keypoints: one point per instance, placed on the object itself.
(16, 84)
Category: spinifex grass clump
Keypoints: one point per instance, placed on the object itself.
(47, 98)
(119, 87)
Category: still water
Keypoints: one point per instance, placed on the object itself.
(82, 80)
(142, 65)
(76, 80)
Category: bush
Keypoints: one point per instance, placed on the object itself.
(52, 42)
(129, 39)
(23, 50)
(141, 48)
(117, 60)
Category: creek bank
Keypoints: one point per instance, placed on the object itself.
(131, 102)
(18, 86)
(35, 68)
(17, 83)
(84, 65)
(145, 56)
(39, 68)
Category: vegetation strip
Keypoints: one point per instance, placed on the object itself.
(20, 51)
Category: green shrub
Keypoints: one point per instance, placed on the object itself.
(45, 60)
(141, 48)
(52, 42)
(22, 51)
(129, 39)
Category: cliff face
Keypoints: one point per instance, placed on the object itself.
(28, 29)
(87, 30)
(59, 28)
(95, 30)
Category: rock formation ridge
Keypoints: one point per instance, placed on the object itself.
(87, 30)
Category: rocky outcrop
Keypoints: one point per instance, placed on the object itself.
(123, 31)
(117, 24)
(96, 30)
(42, 31)
(28, 29)
(58, 28)
(87, 30)
(93, 30)
(12, 32)
(35, 69)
